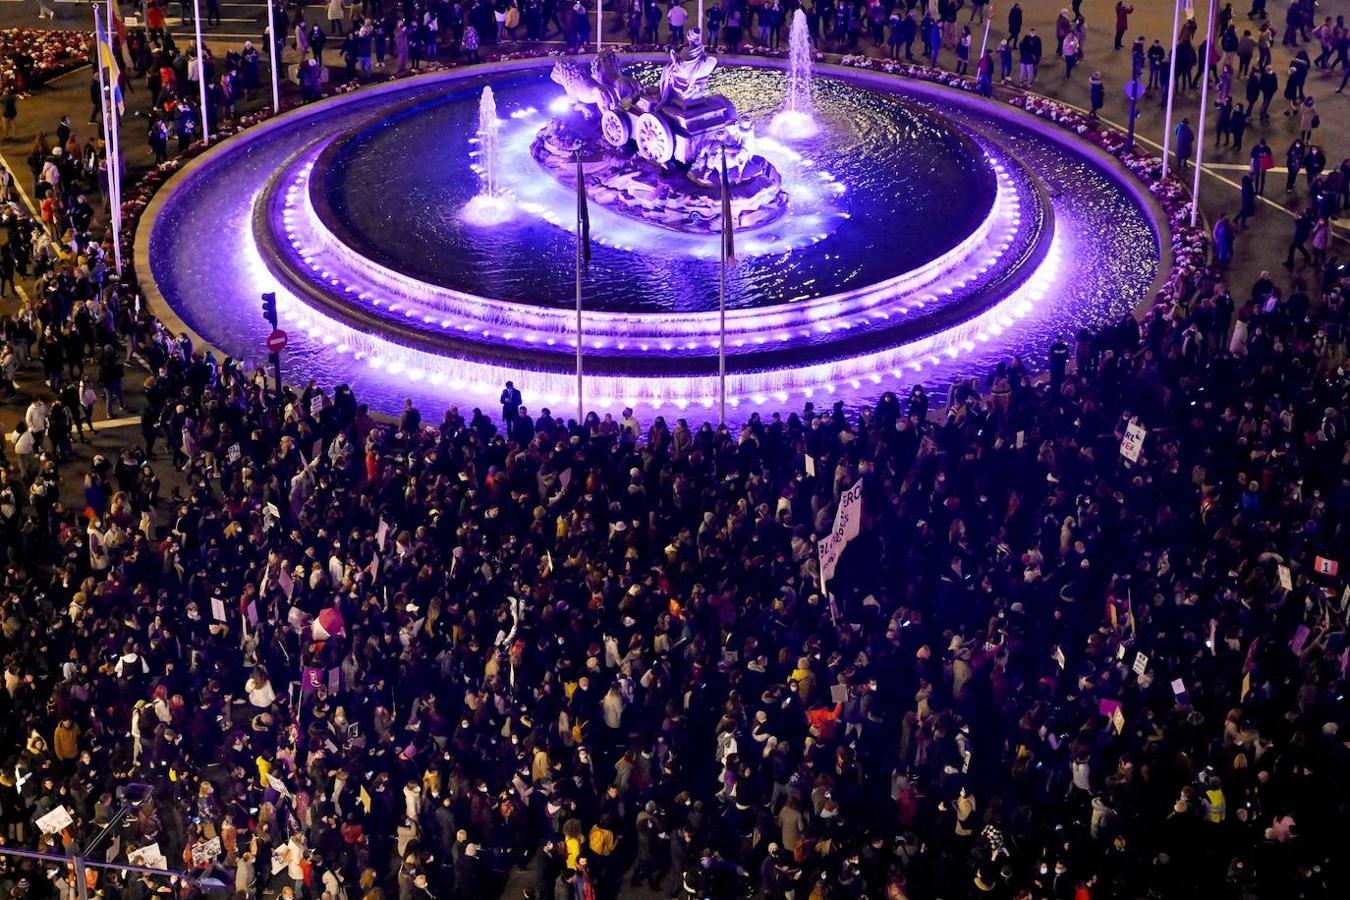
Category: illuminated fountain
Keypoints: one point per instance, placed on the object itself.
(420, 237)
(797, 121)
(491, 206)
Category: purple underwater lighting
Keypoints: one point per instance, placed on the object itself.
(924, 235)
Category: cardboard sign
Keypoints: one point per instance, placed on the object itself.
(1133, 442)
(1324, 566)
(205, 852)
(1286, 578)
(149, 856)
(286, 582)
(316, 405)
(55, 820)
(1108, 707)
(381, 533)
(1118, 720)
(218, 609)
(810, 465)
(838, 693)
(1140, 664)
(233, 454)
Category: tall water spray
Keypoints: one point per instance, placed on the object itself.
(491, 206)
(797, 119)
(489, 152)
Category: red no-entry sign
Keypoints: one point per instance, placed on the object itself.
(276, 341)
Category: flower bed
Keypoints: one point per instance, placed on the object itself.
(1190, 244)
(52, 53)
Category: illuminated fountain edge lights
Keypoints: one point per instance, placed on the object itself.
(654, 347)
(337, 267)
(681, 392)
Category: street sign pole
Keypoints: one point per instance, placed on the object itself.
(276, 341)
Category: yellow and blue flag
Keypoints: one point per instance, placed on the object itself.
(109, 62)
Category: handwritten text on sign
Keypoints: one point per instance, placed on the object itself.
(846, 522)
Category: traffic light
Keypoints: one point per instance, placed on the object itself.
(269, 308)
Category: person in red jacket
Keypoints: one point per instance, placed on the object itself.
(1122, 21)
(823, 721)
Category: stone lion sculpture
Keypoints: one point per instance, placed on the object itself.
(602, 83)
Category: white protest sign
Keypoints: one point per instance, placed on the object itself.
(149, 856)
(1140, 663)
(233, 454)
(55, 820)
(278, 785)
(846, 521)
(1286, 578)
(206, 851)
(1133, 442)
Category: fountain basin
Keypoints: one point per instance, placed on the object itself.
(790, 332)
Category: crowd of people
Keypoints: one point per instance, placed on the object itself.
(402, 657)
(361, 658)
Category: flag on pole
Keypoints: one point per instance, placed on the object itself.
(583, 215)
(118, 25)
(109, 61)
(728, 229)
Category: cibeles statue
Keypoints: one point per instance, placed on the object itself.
(655, 154)
(685, 77)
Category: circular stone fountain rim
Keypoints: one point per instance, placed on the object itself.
(163, 310)
(945, 261)
(769, 357)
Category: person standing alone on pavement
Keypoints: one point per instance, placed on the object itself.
(510, 401)
(9, 112)
(1122, 21)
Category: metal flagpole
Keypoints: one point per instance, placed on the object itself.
(599, 24)
(984, 42)
(1200, 137)
(114, 132)
(274, 56)
(1171, 85)
(104, 103)
(201, 67)
(581, 413)
(722, 327)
